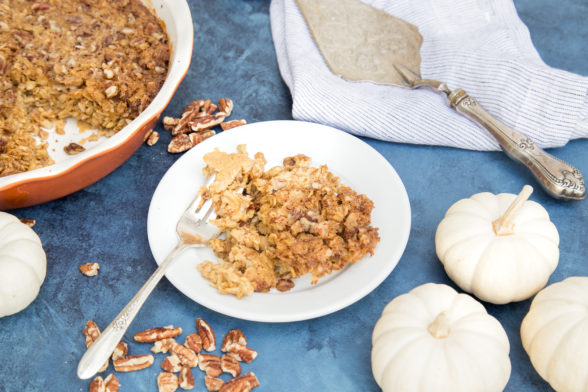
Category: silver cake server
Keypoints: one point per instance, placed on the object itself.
(558, 178)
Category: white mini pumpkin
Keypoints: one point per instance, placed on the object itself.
(22, 265)
(501, 248)
(433, 339)
(555, 334)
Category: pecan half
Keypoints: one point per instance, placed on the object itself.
(244, 383)
(120, 351)
(161, 346)
(234, 336)
(153, 138)
(97, 385)
(206, 122)
(154, 334)
(186, 378)
(230, 365)
(225, 105)
(232, 124)
(28, 222)
(198, 137)
(90, 269)
(206, 334)
(284, 284)
(242, 353)
(111, 383)
(179, 143)
(212, 383)
(132, 363)
(187, 357)
(194, 342)
(169, 123)
(91, 333)
(211, 364)
(171, 364)
(73, 148)
(167, 382)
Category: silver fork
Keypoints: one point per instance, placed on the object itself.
(193, 230)
(558, 178)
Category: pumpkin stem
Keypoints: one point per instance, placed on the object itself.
(503, 225)
(439, 328)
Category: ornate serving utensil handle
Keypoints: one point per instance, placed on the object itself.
(557, 177)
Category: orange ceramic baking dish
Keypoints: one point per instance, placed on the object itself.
(72, 173)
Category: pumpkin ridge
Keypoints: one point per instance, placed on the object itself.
(397, 352)
(471, 358)
(559, 345)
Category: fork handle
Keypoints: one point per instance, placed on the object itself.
(102, 348)
(558, 178)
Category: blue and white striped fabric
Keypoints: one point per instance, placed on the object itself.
(480, 46)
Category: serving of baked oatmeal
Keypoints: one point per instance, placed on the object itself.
(288, 221)
(99, 61)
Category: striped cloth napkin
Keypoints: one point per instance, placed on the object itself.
(480, 46)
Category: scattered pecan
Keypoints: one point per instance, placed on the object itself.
(198, 137)
(169, 123)
(187, 357)
(194, 342)
(91, 333)
(120, 351)
(179, 143)
(29, 222)
(207, 121)
(161, 346)
(111, 383)
(167, 382)
(132, 363)
(90, 269)
(284, 284)
(97, 385)
(206, 334)
(230, 365)
(154, 334)
(212, 383)
(186, 378)
(225, 105)
(242, 353)
(73, 148)
(234, 336)
(211, 364)
(171, 364)
(188, 115)
(205, 108)
(232, 124)
(244, 383)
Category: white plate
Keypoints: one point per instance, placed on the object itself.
(357, 165)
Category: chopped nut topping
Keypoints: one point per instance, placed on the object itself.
(73, 148)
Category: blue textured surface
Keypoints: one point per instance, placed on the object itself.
(106, 222)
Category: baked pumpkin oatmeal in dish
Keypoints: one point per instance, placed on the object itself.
(281, 223)
(98, 61)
